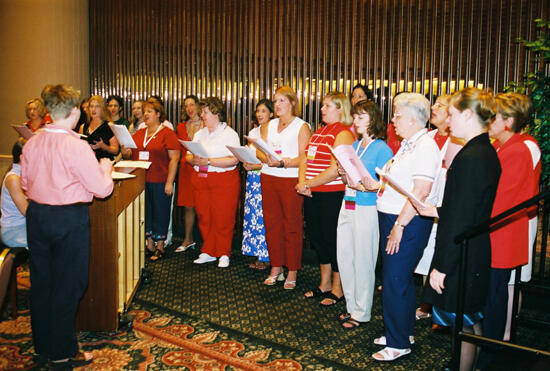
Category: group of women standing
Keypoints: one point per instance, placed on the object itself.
(454, 175)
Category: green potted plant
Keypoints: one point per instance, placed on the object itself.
(537, 85)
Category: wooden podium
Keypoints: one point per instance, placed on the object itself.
(117, 248)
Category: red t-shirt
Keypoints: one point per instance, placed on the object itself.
(509, 237)
(158, 148)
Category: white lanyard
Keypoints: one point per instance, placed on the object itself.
(145, 141)
(365, 150)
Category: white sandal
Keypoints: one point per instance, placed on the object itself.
(382, 340)
(271, 280)
(390, 354)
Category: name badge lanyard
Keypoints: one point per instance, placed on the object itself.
(405, 147)
(349, 197)
(144, 155)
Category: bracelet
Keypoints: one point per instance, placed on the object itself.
(399, 224)
(208, 164)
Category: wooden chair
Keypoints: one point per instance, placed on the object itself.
(10, 259)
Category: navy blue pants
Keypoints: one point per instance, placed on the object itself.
(157, 211)
(495, 313)
(59, 247)
(398, 293)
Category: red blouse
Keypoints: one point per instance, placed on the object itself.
(158, 148)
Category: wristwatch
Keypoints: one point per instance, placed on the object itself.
(281, 163)
(208, 164)
(399, 224)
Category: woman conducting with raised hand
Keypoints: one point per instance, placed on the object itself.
(254, 243)
(324, 190)
(186, 131)
(509, 237)
(288, 136)
(216, 183)
(357, 233)
(98, 132)
(160, 146)
(404, 234)
(470, 190)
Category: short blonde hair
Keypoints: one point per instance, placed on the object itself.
(290, 94)
(480, 102)
(99, 99)
(341, 102)
(39, 107)
(515, 105)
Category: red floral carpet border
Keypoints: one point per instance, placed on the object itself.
(153, 344)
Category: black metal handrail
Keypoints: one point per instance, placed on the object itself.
(463, 238)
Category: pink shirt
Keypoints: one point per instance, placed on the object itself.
(58, 168)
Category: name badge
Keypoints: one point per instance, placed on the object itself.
(311, 151)
(349, 198)
(144, 155)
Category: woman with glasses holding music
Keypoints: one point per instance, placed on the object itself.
(404, 234)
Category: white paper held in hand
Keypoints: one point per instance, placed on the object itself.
(123, 136)
(414, 200)
(244, 154)
(264, 147)
(195, 148)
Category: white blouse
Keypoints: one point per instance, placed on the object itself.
(215, 144)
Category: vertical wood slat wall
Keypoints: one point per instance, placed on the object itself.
(242, 50)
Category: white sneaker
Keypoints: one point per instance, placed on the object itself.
(224, 261)
(204, 258)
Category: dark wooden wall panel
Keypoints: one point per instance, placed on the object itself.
(242, 50)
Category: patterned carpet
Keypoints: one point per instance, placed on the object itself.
(200, 317)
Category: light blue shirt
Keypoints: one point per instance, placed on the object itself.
(376, 155)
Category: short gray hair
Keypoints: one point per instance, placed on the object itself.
(60, 100)
(417, 104)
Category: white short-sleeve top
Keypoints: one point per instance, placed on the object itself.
(418, 158)
(255, 133)
(285, 144)
(215, 144)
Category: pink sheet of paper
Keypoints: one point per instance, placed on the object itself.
(348, 159)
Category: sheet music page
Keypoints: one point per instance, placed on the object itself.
(123, 136)
(415, 201)
(264, 147)
(244, 154)
(195, 148)
(140, 164)
(23, 130)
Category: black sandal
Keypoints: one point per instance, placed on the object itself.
(333, 300)
(344, 317)
(157, 255)
(316, 293)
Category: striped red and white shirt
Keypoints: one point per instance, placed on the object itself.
(318, 156)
